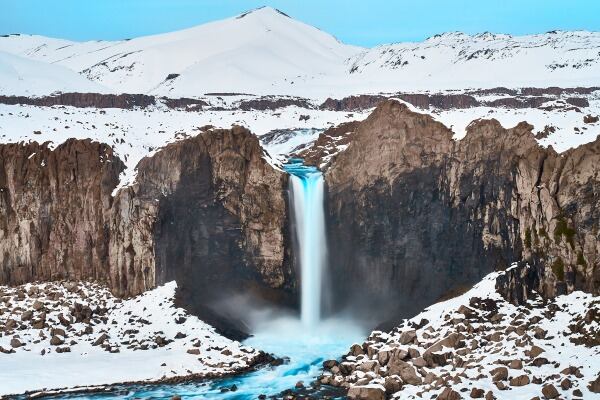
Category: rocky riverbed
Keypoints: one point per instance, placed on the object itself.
(478, 345)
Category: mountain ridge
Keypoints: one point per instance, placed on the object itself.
(266, 52)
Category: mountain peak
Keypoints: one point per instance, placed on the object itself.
(264, 10)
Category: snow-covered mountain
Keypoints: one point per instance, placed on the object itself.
(456, 61)
(22, 76)
(262, 51)
(266, 52)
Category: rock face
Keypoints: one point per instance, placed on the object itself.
(55, 211)
(208, 211)
(413, 214)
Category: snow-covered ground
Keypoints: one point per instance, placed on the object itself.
(480, 341)
(48, 342)
(137, 133)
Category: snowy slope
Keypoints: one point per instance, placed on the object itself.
(25, 77)
(458, 61)
(479, 342)
(266, 52)
(263, 51)
(51, 343)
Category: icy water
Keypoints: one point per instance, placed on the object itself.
(304, 342)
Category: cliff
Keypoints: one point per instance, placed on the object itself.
(415, 215)
(208, 211)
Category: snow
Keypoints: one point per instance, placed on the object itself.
(489, 354)
(138, 133)
(26, 77)
(87, 365)
(266, 52)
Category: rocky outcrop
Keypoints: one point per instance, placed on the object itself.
(208, 211)
(414, 214)
(55, 208)
(101, 100)
(512, 98)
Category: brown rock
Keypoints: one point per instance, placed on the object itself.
(56, 341)
(366, 393)
(449, 394)
(499, 374)
(477, 393)
(520, 380)
(549, 391)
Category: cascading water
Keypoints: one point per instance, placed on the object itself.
(305, 342)
(306, 188)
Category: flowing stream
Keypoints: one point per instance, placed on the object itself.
(304, 342)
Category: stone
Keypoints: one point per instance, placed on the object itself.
(538, 362)
(419, 362)
(566, 384)
(328, 364)
(534, 351)
(408, 337)
(27, 315)
(37, 305)
(449, 394)
(15, 343)
(449, 341)
(515, 364)
(499, 374)
(392, 385)
(594, 386)
(549, 391)
(56, 341)
(356, 350)
(194, 351)
(490, 395)
(520, 380)
(367, 392)
(101, 339)
(409, 376)
(477, 393)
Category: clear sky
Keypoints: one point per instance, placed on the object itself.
(360, 22)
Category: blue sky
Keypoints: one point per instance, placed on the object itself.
(360, 22)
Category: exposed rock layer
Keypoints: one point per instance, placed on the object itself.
(414, 214)
(208, 211)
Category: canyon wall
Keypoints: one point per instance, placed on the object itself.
(208, 211)
(414, 215)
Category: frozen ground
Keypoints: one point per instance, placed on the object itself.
(480, 341)
(59, 335)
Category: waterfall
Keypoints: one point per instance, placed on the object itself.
(306, 188)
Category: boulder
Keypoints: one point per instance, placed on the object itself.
(549, 391)
(594, 385)
(367, 392)
(499, 374)
(520, 380)
(408, 337)
(515, 364)
(27, 315)
(449, 341)
(37, 305)
(534, 351)
(15, 343)
(101, 339)
(477, 393)
(56, 341)
(409, 375)
(449, 394)
(392, 385)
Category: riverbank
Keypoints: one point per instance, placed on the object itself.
(77, 335)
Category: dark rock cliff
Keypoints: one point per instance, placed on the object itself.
(414, 215)
(208, 211)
